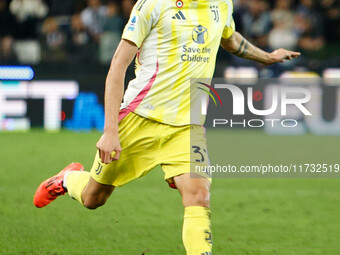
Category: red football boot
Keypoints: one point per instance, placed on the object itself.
(53, 187)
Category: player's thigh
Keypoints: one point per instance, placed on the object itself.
(139, 147)
(185, 152)
(132, 164)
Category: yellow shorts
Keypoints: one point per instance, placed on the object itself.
(146, 144)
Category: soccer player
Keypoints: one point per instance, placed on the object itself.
(173, 41)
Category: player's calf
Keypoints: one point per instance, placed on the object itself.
(197, 237)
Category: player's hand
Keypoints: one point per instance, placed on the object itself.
(109, 147)
(278, 56)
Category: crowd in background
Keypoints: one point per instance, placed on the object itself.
(62, 30)
(309, 26)
(89, 30)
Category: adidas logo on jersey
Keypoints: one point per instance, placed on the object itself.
(179, 16)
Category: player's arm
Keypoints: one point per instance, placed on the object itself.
(239, 46)
(114, 90)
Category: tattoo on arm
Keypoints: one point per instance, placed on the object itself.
(243, 50)
(240, 47)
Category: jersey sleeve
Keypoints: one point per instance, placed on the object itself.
(143, 17)
(229, 28)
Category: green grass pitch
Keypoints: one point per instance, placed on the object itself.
(249, 216)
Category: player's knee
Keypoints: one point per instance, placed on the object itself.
(94, 202)
(95, 195)
(197, 197)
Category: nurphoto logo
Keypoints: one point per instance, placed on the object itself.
(280, 105)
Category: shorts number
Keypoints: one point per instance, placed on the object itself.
(197, 150)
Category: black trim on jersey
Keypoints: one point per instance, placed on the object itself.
(140, 5)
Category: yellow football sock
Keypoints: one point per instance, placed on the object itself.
(75, 183)
(197, 237)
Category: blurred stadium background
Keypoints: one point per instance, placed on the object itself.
(54, 56)
(74, 40)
